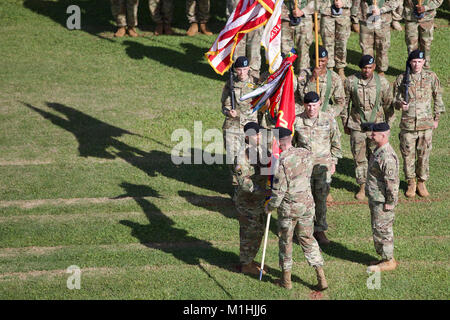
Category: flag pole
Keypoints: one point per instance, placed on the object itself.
(316, 31)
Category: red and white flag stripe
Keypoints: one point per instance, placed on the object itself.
(248, 15)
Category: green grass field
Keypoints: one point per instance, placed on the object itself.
(86, 176)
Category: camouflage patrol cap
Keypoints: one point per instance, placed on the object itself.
(251, 129)
(416, 54)
(241, 62)
(311, 96)
(283, 132)
(365, 60)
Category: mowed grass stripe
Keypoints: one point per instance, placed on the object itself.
(220, 253)
(211, 282)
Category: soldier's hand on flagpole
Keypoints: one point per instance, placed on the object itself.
(232, 113)
(405, 106)
(333, 168)
(266, 209)
(420, 9)
(375, 11)
(297, 13)
(338, 3)
(315, 74)
(347, 130)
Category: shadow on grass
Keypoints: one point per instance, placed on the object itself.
(160, 233)
(224, 206)
(345, 167)
(99, 139)
(340, 251)
(191, 61)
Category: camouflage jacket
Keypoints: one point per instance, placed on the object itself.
(336, 98)
(307, 6)
(244, 112)
(382, 176)
(362, 9)
(251, 180)
(321, 136)
(291, 189)
(430, 9)
(325, 7)
(424, 87)
(364, 101)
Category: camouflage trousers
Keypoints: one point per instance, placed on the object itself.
(233, 140)
(320, 186)
(416, 144)
(419, 35)
(125, 12)
(161, 10)
(197, 11)
(335, 32)
(250, 47)
(251, 231)
(299, 37)
(378, 40)
(362, 147)
(382, 229)
(303, 227)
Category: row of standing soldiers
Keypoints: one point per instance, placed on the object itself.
(125, 12)
(365, 102)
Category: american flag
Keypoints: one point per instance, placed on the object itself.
(248, 15)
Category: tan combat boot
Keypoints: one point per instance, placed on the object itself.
(321, 238)
(204, 29)
(329, 198)
(168, 29)
(411, 192)
(355, 27)
(252, 268)
(385, 265)
(159, 29)
(321, 280)
(120, 32)
(132, 32)
(193, 29)
(361, 195)
(285, 280)
(341, 73)
(396, 26)
(422, 189)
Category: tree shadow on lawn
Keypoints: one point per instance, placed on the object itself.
(192, 61)
(99, 139)
(345, 167)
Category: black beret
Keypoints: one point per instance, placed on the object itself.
(365, 60)
(375, 127)
(251, 128)
(283, 132)
(416, 54)
(241, 62)
(322, 52)
(311, 97)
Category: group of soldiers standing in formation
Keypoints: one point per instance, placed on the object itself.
(365, 102)
(125, 13)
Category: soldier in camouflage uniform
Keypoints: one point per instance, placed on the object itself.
(382, 191)
(419, 32)
(291, 194)
(397, 16)
(331, 86)
(335, 31)
(368, 99)
(318, 132)
(375, 35)
(162, 13)
(300, 36)
(197, 12)
(354, 12)
(235, 119)
(250, 45)
(125, 14)
(250, 197)
(418, 121)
